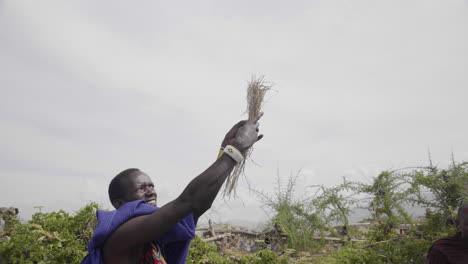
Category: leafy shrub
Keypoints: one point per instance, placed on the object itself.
(351, 255)
(202, 252)
(297, 218)
(49, 237)
(447, 187)
(401, 249)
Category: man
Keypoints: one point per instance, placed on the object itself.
(452, 249)
(139, 232)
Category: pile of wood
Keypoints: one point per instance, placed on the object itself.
(242, 239)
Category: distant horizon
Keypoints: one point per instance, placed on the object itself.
(359, 214)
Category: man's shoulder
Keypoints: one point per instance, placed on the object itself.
(447, 239)
(448, 242)
(109, 221)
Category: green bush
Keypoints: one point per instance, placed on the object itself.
(351, 255)
(49, 237)
(264, 256)
(298, 219)
(202, 252)
(401, 249)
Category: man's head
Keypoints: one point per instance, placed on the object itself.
(131, 185)
(462, 220)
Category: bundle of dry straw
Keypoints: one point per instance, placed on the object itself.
(256, 91)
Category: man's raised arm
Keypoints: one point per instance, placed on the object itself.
(196, 198)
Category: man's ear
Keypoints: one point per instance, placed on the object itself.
(117, 203)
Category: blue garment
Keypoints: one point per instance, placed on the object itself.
(174, 243)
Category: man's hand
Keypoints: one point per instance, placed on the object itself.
(232, 134)
(244, 134)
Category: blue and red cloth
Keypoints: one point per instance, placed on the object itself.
(151, 254)
(174, 243)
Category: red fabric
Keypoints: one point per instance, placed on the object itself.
(151, 255)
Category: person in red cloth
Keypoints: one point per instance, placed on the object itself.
(139, 232)
(452, 249)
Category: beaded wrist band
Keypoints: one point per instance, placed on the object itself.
(234, 153)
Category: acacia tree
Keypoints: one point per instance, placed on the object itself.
(334, 204)
(291, 215)
(387, 195)
(301, 219)
(448, 188)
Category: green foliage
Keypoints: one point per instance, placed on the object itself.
(400, 249)
(202, 252)
(433, 226)
(387, 194)
(292, 216)
(351, 255)
(333, 204)
(49, 237)
(448, 187)
(263, 256)
(441, 191)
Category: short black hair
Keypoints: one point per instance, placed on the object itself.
(117, 187)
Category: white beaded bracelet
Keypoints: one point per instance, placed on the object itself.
(234, 153)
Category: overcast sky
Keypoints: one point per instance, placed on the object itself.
(89, 88)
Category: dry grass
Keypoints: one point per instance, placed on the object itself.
(255, 96)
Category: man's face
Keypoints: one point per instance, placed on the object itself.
(463, 223)
(140, 187)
